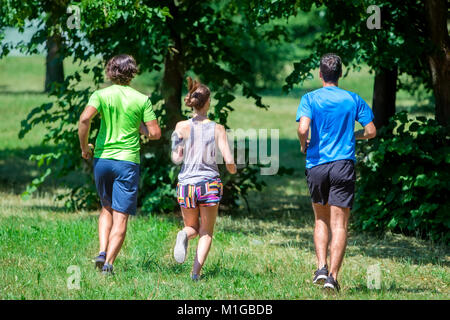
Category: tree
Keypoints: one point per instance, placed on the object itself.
(286, 40)
(182, 37)
(439, 57)
(398, 47)
(54, 68)
(384, 94)
(14, 13)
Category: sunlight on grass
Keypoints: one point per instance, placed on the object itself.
(271, 257)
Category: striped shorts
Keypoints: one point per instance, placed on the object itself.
(203, 194)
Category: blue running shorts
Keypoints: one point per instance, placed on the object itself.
(117, 184)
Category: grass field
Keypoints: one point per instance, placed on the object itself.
(267, 254)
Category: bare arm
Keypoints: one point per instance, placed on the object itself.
(150, 129)
(224, 147)
(368, 132)
(84, 126)
(143, 129)
(177, 146)
(303, 132)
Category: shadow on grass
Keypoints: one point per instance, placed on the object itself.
(298, 239)
(17, 171)
(393, 289)
(296, 228)
(20, 93)
(391, 246)
(217, 270)
(416, 109)
(151, 264)
(49, 208)
(278, 92)
(289, 212)
(394, 246)
(154, 264)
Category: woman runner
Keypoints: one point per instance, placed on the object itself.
(199, 188)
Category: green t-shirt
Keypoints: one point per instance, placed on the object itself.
(122, 109)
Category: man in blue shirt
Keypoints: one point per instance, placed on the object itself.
(331, 113)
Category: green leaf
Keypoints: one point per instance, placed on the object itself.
(392, 223)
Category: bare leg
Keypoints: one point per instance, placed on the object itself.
(191, 223)
(321, 232)
(338, 223)
(208, 217)
(117, 235)
(190, 230)
(105, 222)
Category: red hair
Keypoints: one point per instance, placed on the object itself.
(198, 94)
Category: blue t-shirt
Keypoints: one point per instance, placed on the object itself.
(333, 112)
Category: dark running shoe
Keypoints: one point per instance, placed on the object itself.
(195, 277)
(100, 260)
(320, 275)
(108, 270)
(332, 283)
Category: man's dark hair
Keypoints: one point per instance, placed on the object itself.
(330, 67)
(121, 69)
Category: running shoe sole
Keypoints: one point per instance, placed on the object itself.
(180, 250)
(99, 263)
(329, 286)
(320, 279)
(108, 270)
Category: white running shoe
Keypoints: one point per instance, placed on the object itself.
(180, 250)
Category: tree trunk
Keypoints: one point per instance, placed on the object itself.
(439, 58)
(172, 81)
(54, 61)
(384, 91)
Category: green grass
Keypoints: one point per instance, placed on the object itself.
(267, 254)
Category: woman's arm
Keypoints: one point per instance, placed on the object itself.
(178, 144)
(224, 147)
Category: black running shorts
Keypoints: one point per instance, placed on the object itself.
(332, 183)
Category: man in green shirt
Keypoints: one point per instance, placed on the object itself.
(125, 113)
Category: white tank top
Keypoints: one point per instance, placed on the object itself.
(199, 161)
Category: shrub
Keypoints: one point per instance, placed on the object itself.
(404, 179)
